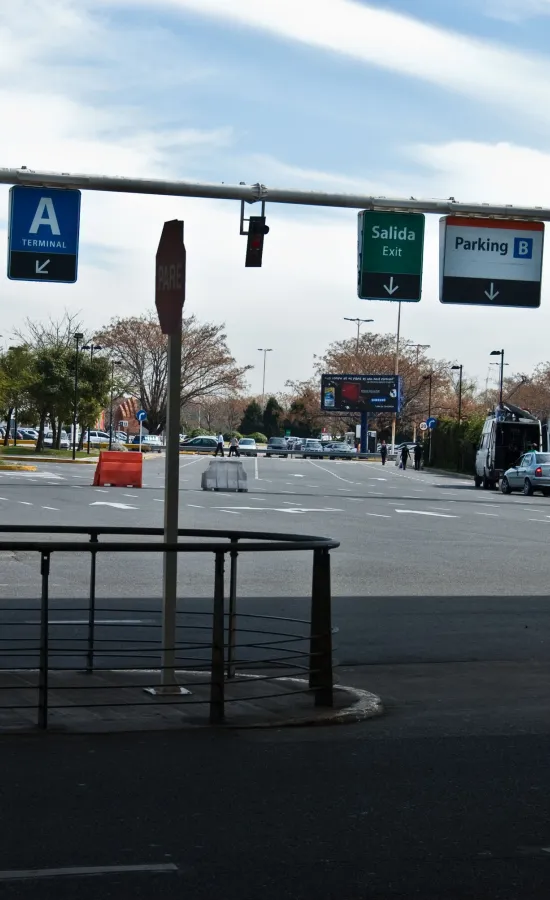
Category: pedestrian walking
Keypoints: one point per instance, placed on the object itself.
(417, 456)
(383, 452)
(219, 445)
(405, 456)
(234, 447)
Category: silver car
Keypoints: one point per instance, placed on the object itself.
(530, 473)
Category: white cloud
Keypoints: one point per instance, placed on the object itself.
(517, 10)
(481, 70)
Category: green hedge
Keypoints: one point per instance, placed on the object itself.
(454, 446)
(258, 437)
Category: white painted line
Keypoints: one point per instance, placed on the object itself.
(334, 475)
(114, 505)
(53, 508)
(288, 492)
(195, 506)
(156, 500)
(377, 516)
(256, 468)
(380, 494)
(102, 491)
(540, 521)
(355, 499)
(492, 504)
(297, 476)
(5, 498)
(492, 515)
(288, 502)
(422, 512)
(84, 871)
(130, 495)
(441, 508)
(232, 511)
(24, 502)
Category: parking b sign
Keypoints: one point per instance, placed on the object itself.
(43, 234)
(523, 248)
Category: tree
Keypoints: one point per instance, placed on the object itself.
(272, 414)
(16, 370)
(51, 386)
(208, 368)
(252, 418)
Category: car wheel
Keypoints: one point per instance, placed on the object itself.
(477, 481)
(485, 483)
(505, 487)
(528, 488)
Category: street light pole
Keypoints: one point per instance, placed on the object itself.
(459, 368)
(429, 379)
(359, 322)
(114, 362)
(265, 351)
(501, 354)
(78, 337)
(91, 348)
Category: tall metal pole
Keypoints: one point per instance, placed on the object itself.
(78, 337)
(460, 395)
(171, 509)
(501, 375)
(111, 406)
(265, 351)
(396, 372)
(429, 417)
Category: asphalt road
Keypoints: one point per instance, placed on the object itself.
(442, 609)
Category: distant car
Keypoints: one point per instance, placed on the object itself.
(339, 448)
(121, 437)
(149, 442)
(247, 447)
(310, 447)
(530, 473)
(276, 446)
(96, 437)
(201, 443)
(64, 441)
(27, 434)
(410, 444)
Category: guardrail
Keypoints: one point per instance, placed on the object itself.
(218, 653)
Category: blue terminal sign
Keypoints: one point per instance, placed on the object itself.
(43, 234)
(361, 393)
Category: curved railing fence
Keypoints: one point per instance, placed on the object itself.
(40, 640)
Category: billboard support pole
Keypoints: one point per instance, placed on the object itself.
(396, 372)
(364, 432)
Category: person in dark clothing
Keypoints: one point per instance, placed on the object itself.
(417, 456)
(405, 456)
(383, 452)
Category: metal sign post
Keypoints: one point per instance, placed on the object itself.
(169, 299)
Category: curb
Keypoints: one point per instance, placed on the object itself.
(52, 459)
(9, 468)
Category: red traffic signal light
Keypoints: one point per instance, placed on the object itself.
(255, 244)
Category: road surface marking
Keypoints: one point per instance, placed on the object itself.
(232, 511)
(378, 516)
(24, 502)
(114, 505)
(423, 512)
(85, 871)
(334, 475)
(102, 491)
(441, 508)
(130, 495)
(380, 494)
(344, 489)
(256, 468)
(288, 492)
(292, 510)
(355, 499)
(540, 521)
(195, 506)
(53, 508)
(492, 515)
(156, 500)
(297, 476)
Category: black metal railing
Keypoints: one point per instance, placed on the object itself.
(223, 642)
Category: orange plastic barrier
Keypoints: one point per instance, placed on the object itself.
(119, 469)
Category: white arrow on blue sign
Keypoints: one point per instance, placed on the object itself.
(431, 422)
(44, 225)
(141, 415)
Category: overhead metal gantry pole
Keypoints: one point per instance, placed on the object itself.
(252, 193)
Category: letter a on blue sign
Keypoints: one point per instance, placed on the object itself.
(43, 234)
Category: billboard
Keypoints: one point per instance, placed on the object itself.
(361, 393)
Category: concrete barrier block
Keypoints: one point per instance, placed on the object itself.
(224, 475)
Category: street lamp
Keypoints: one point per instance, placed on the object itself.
(429, 379)
(265, 351)
(501, 354)
(459, 368)
(114, 362)
(77, 337)
(91, 347)
(358, 322)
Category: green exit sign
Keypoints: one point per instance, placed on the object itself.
(390, 251)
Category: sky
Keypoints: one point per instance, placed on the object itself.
(400, 98)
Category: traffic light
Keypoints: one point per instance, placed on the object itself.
(255, 244)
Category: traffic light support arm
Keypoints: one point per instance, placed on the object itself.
(256, 192)
(243, 220)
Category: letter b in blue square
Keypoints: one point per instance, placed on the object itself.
(523, 248)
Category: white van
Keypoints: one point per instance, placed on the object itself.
(507, 433)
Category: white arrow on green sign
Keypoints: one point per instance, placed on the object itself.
(391, 247)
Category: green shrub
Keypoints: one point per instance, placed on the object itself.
(258, 437)
(231, 434)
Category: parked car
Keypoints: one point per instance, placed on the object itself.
(411, 445)
(247, 447)
(96, 437)
(276, 446)
(149, 442)
(530, 473)
(339, 448)
(27, 434)
(310, 447)
(292, 441)
(64, 442)
(201, 443)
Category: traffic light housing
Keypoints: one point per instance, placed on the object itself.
(257, 229)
